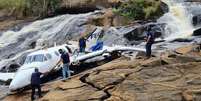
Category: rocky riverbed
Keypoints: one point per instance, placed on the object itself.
(174, 76)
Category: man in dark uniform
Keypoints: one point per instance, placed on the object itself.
(35, 83)
(82, 44)
(66, 62)
(149, 41)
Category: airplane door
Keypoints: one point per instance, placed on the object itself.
(53, 59)
(49, 61)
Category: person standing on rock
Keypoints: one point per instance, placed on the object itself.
(149, 41)
(35, 83)
(65, 59)
(82, 44)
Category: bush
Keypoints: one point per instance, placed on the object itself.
(39, 8)
(140, 9)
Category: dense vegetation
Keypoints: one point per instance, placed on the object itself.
(29, 7)
(133, 9)
(140, 9)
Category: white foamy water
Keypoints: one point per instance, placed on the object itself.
(178, 19)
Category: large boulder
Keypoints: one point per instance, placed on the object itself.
(157, 83)
(138, 33)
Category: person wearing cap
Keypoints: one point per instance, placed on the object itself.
(65, 59)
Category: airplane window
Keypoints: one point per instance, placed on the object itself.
(28, 60)
(49, 56)
(56, 53)
(38, 58)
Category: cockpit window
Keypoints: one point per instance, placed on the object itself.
(35, 58)
(38, 58)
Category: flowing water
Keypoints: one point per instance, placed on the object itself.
(179, 19)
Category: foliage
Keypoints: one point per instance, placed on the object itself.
(139, 9)
(39, 8)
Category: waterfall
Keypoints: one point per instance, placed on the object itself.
(179, 19)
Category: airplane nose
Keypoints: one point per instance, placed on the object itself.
(21, 79)
(14, 85)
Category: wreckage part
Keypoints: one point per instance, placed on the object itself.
(76, 63)
(115, 54)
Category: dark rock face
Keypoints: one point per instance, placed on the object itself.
(197, 32)
(138, 33)
(196, 20)
(164, 7)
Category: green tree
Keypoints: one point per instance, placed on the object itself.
(140, 9)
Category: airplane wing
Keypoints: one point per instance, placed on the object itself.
(105, 50)
(6, 76)
(124, 48)
(89, 55)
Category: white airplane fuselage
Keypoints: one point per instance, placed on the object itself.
(45, 60)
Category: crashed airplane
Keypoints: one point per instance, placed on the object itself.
(45, 60)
